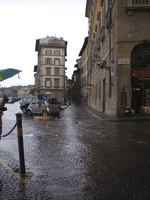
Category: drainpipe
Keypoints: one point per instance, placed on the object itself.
(64, 81)
(110, 21)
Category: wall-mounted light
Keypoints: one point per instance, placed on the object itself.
(101, 64)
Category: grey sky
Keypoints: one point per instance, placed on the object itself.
(24, 21)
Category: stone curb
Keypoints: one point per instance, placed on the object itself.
(111, 119)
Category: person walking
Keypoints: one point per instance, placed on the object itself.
(5, 100)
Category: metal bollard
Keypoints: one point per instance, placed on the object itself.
(20, 142)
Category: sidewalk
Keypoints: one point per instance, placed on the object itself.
(104, 117)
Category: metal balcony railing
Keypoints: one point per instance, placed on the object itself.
(138, 4)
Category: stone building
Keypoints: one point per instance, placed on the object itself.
(118, 56)
(76, 85)
(24, 91)
(50, 75)
(83, 73)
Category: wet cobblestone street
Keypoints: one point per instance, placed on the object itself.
(75, 157)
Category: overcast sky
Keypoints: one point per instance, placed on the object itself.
(24, 21)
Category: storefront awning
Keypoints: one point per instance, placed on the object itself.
(141, 73)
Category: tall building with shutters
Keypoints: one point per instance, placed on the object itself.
(50, 75)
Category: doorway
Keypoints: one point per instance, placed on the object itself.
(140, 75)
(136, 101)
(103, 96)
(139, 96)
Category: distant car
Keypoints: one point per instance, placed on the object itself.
(38, 107)
(1, 99)
(25, 102)
(11, 100)
(54, 107)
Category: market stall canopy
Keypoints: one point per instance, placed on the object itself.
(8, 73)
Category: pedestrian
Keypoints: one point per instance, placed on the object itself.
(69, 99)
(44, 98)
(65, 101)
(2, 108)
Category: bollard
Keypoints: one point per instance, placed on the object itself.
(20, 142)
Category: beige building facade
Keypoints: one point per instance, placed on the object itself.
(118, 59)
(83, 73)
(24, 92)
(50, 76)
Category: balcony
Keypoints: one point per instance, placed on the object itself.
(137, 4)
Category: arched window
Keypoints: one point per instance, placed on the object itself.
(57, 53)
(48, 52)
(140, 56)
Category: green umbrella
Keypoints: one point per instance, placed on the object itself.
(8, 73)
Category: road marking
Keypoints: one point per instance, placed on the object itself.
(20, 179)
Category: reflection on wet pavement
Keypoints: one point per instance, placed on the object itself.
(78, 156)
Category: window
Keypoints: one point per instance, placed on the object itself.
(74, 79)
(57, 53)
(98, 16)
(57, 71)
(102, 18)
(56, 95)
(56, 82)
(106, 6)
(48, 61)
(53, 101)
(95, 27)
(94, 36)
(99, 89)
(48, 52)
(47, 82)
(48, 71)
(82, 70)
(57, 61)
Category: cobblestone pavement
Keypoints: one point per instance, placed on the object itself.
(75, 157)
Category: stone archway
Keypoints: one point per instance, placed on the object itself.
(140, 76)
